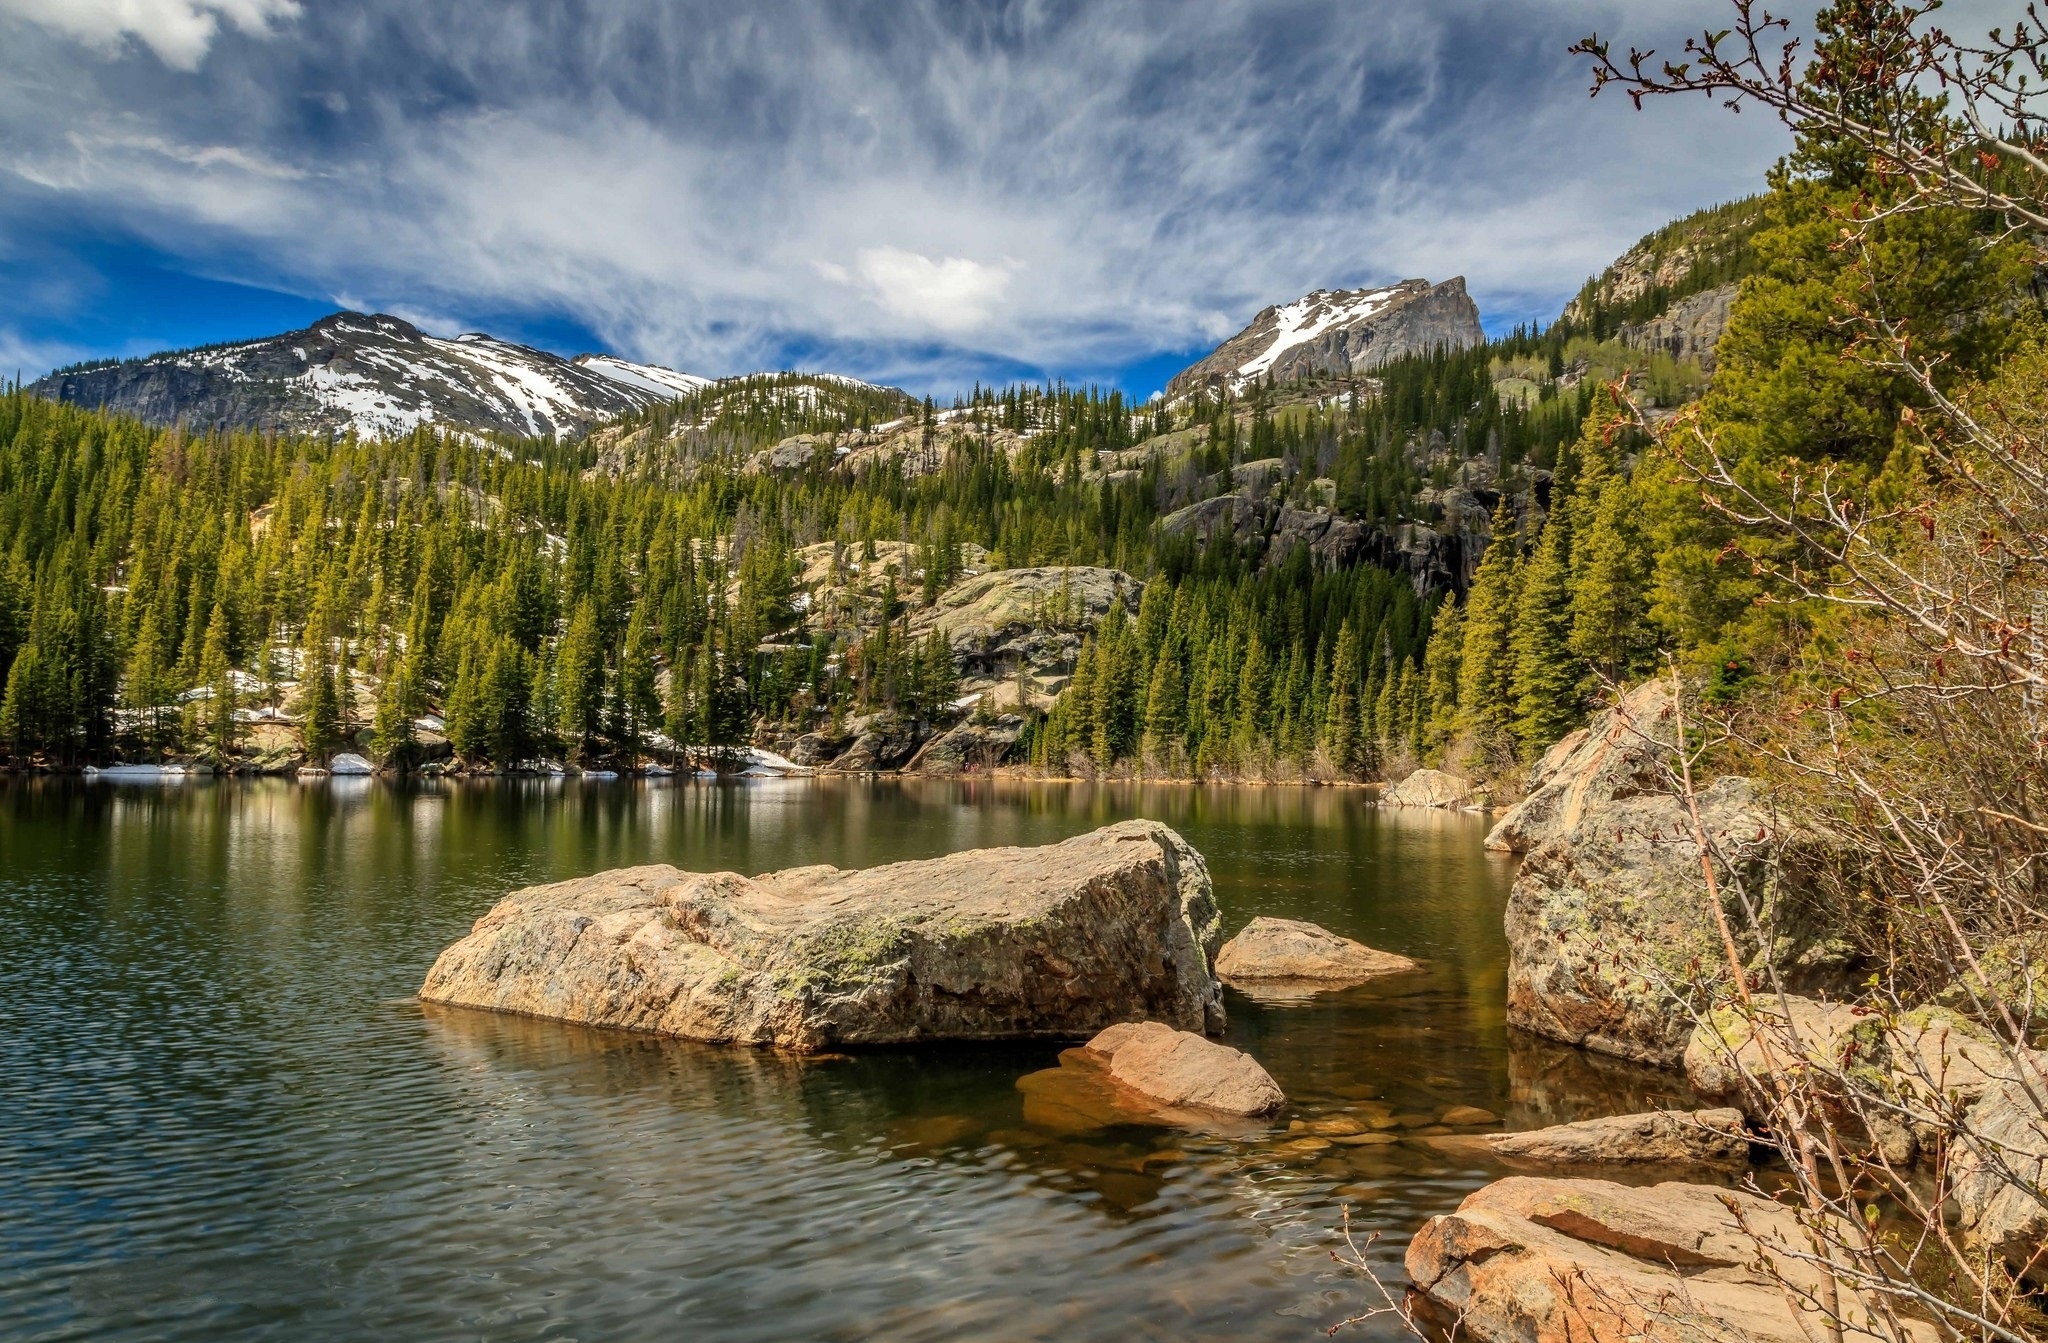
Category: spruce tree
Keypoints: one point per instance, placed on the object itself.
(1487, 703)
(1548, 676)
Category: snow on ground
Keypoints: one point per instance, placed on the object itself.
(1309, 317)
(664, 382)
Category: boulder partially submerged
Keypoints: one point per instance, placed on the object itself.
(1113, 926)
(1429, 788)
(1652, 1138)
(1618, 756)
(1291, 952)
(1182, 1070)
(1534, 1260)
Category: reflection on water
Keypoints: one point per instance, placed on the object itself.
(224, 1117)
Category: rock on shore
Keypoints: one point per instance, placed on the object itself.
(1291, 951)
(1113, 926)
(1429, 788)
(1533, 1260)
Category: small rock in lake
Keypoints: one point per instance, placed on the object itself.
(1178, 1068)
(1289, 953)
(1469, 1116)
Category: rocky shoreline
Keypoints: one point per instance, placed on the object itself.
(1115, 935)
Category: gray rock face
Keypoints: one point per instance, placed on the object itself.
(969, 745)
(1339, 332)
(374, 375)
(1690, 329)
(1113, 926)
(818, 748)
(1007, 608)
(883, 741)
(1596, 915)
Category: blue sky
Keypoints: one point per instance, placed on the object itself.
(918, 192)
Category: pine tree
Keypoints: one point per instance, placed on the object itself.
(579, 684)
(1548, 676)
(1487, 703)
(218, 676)
(1341, 722)
(1610, 614)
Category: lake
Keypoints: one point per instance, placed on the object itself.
(223, 1116)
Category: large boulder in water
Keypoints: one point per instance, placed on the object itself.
(1604, 920)
(1116, 925)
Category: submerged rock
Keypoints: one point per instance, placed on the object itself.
(1112, 926)
(1429, 788)
(1180, 1069)
(1292, 952)
(1654, 1138)
(1533, 1260)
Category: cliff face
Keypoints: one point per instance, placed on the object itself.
(1339, 332)
(375, 376)
(1689, 329)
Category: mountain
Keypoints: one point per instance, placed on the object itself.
(1339, 332)
(377, 375)
(1673, 290)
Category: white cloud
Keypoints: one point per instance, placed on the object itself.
(899, 190)
(178, 31)
(950, 295)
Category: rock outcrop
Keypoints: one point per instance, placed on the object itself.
(1429, 788)
(1113, 926)
(1181, 1070)
(1616, 757)
(881, 741)
(1654, 1138)
(1292, 952)
(1603, 920)
(1339, 333)
(1689, 328)
(1534, 1260)
(969, 746)
(2001, 1173)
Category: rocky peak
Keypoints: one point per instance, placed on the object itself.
(1339, 332)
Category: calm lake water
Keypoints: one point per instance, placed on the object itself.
(222, 1116)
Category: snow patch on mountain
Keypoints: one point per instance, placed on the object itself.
(1310, 316)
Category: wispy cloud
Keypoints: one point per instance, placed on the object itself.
(899, 186)
(179, 32)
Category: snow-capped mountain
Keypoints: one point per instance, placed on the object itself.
(376, 375)
(1339, 332)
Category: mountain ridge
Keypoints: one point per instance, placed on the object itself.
(375, 375)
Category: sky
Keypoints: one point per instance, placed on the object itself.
(916, 192)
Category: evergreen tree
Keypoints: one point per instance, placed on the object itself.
(1548, 676)
(1487, 702)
